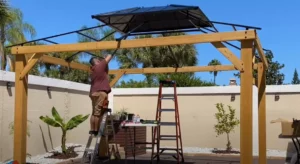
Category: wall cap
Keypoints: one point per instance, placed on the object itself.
(52, 82)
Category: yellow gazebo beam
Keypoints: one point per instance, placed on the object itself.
(74, 65)
(31, 62)
(136, 43)
(229, 55)
(261, 52)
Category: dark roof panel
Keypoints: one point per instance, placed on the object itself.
(160, 18)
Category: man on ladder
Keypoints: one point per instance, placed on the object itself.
(99, 91)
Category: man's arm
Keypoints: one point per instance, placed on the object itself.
(108, 58)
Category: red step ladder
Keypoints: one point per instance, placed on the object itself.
(157, 130)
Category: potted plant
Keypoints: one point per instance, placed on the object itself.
(121, 115)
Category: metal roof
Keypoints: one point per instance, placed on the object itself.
(159, 18)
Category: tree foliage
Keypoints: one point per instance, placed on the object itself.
(295, 78)
(162, 56)
(182, 80)
(57, 121)
(226, 122)
(214, 62)
(13, 30)
(273, 74)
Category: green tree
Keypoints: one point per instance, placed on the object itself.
(66, 73)
(185, 79)
(153, 57)
(182, 80)
(96, 33)
(3, 10)
(295, 78)
(226, 122)
(214, 62)
(183, 55)
(273, 74)
(13, 30)
(57, 121)
(132, 84)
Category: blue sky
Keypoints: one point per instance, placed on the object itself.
(278, 20)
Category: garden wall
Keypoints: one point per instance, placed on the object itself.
(196, 106)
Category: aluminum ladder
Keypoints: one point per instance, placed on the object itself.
(105, 129)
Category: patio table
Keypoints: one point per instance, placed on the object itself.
(126, 126)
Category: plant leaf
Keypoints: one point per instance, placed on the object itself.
(56, 116)
(75, 121)
(50, 121)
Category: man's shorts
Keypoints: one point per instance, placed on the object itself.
(99, 101)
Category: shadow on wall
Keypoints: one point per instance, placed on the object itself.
(49, 92)
(8, 87)
(290, 150)
(43, 138)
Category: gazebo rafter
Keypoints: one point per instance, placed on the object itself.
(245, 64)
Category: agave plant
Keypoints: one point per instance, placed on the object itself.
(57, 121)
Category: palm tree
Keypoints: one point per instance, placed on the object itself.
(163, 56)
(213, 63)
(3, 10)
(12, 31)
(3, 16)
(183, 55)
(96, 33)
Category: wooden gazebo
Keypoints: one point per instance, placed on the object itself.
(157, 20)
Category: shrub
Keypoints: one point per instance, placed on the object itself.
(226, 122)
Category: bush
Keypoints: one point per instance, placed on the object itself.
(226, 122)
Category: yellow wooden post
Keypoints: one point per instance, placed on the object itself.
(246, 103)
(262, 113)
(20, 123)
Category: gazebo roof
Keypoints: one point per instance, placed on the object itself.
(159, 18)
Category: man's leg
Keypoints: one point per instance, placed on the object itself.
(102, 97)
(103, 146)
(97, 100)
(92, 119)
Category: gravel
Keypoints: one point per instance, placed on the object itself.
(193, 150)
(41, 158)
(197, 150)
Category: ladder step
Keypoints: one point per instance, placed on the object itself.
(167, 98)
(168, 137)
(167, 110)
(174, 136)
(144, 143)
(167, 81)
(172, 154)
(89, 149)
(168, 123)
(175, 149)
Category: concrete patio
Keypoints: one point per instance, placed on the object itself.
(195, 159)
